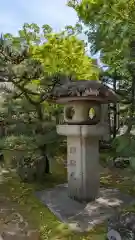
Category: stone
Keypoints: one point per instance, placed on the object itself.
(31, 169)
(83, 162)
(122, 227)
(121, 162)
(83, 216)
(84, 124)
(25, 169)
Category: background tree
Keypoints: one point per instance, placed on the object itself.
(110, 30)
(30, 66)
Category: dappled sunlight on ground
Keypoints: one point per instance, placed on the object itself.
(22, 195)
(2, 173)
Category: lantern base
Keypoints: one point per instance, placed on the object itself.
(82, 160)
(83, 168)
(84, 216)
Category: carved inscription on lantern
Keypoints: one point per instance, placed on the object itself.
(72, 163)
(72, 151)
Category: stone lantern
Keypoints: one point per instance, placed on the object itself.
(83, 127)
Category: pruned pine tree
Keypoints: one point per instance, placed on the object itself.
(28, 119)
(29, 67)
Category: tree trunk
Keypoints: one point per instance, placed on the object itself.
(105, 120)
(40, 130)
(131, 69)
(114, 112)
(132, 106)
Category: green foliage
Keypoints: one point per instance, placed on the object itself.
(111, 29)
(58, 52)
(124, 146)
(65, 54)
(30, 64)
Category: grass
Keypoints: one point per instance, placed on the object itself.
(121, 179)
(39, 216)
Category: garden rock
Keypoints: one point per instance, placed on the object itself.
(31, 169)
(26, 170)
(122, 162)
(121, 227)
(119, 162)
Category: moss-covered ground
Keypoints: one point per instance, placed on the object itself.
(23, 195)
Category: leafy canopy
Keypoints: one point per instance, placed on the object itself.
(30, 62)
(111, 28)
(61, 52)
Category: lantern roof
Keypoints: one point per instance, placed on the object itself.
(90, 90)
